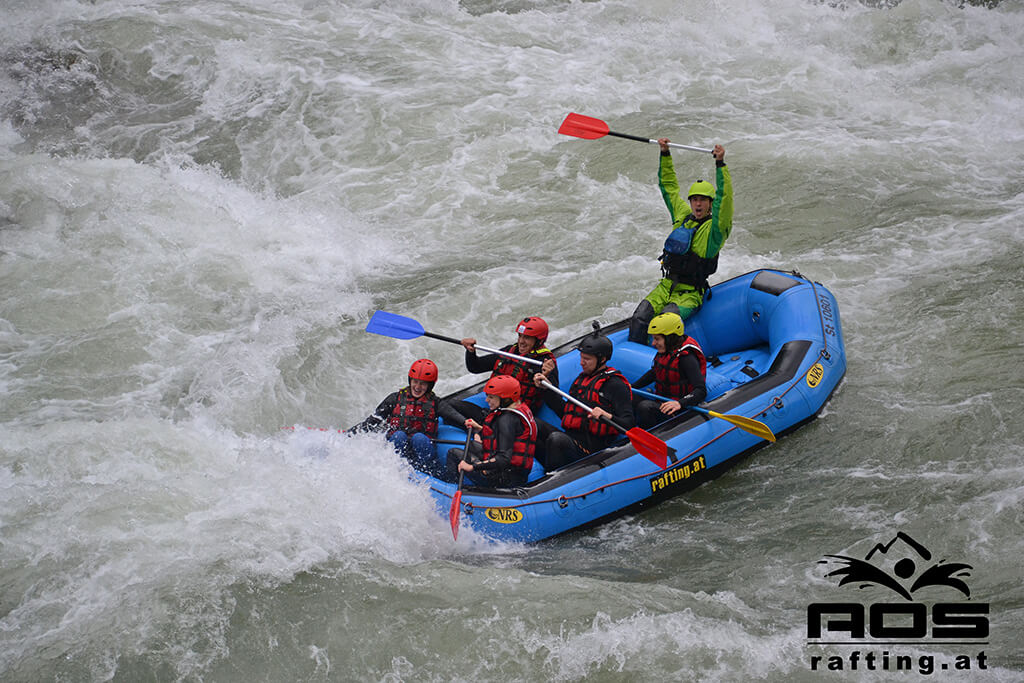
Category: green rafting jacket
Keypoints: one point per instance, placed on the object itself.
(712, 234)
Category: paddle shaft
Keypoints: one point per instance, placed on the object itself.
(456, 508)
(698, 409)
(747, 424)
(497, 352)
(581, 404)
(649, 394)
(676, 145)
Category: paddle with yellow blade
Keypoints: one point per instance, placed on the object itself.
(745, 423)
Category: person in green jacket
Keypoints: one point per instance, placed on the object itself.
(700, 225)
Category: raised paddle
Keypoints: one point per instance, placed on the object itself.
(645, 443)
(745, 423)
(453, 513)
(401, 327)
(589, 128)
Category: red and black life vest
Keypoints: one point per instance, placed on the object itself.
(412, 414)
(529, 393)
(525, 444)
(669, 381)
(587, 388)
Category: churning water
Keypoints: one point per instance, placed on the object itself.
(202, 202)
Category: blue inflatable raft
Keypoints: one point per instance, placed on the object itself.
(775, 354)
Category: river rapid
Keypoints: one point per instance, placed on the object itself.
(202, 203)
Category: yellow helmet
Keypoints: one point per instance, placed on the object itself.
(702, 188)
(666, 323)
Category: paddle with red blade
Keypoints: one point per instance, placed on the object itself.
(645, 443)
(589, 128)
(400, 327)
(453, 513)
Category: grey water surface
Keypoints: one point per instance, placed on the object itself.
(202, 203)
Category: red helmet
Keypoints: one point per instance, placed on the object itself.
(423, 369)
(503, 386)
(533, 327)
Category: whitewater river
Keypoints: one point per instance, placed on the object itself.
(202, 203)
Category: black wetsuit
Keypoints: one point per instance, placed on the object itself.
(498, 470)
(648, 412)
(379, 420)
(563, 448)
(480, 364)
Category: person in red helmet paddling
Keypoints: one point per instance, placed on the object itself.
(532, 333)
(507, 440)
(409, 416)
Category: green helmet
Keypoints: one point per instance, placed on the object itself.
(702, 188)
(666, 323)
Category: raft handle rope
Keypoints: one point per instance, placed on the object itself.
(563, 501)
(823, 354)
(821, 318)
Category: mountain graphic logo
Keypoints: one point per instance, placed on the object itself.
(902, 565)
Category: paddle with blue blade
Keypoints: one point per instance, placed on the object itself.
(645, 443)
(453, 513)
(589, 128)
(400, 327)
(745, 423)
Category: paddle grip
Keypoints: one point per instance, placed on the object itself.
(613, 423)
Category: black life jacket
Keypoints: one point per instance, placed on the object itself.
(680, 263)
